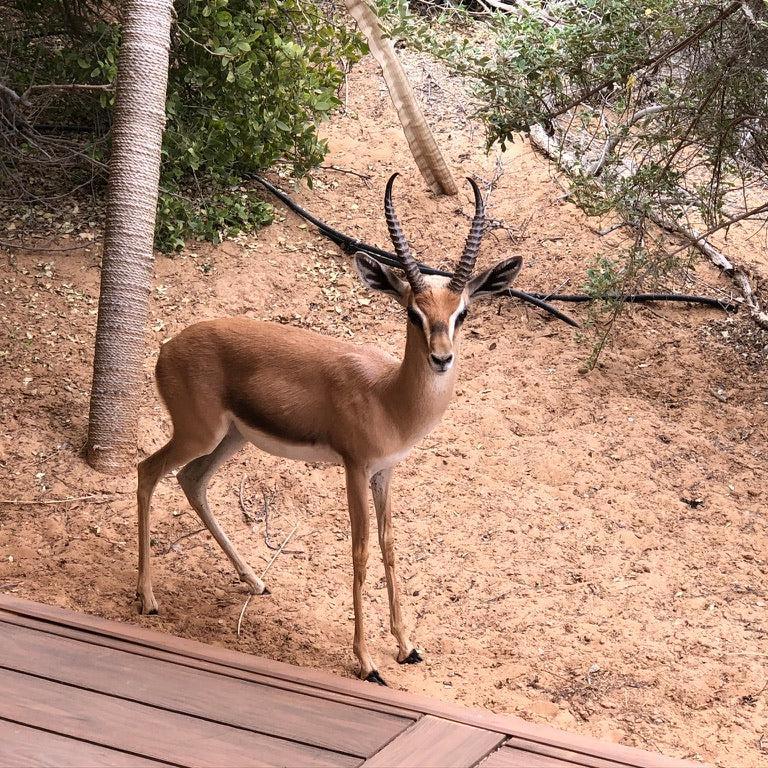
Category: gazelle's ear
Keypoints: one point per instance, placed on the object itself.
(379, 277)
(497, 279)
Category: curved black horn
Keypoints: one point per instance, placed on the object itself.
(402, 249)
(466, 263)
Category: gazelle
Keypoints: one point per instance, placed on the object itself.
(304, 396)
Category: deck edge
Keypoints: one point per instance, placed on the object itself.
(509, 725)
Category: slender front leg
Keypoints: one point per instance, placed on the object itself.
(357, 498)
(407, 654)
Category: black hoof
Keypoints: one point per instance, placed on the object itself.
(375, 677)
(142, 612)
(266, 591)
(414, 657)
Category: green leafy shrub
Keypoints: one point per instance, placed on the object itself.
(249, 82)
(217, 216)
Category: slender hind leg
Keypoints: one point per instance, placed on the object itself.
(173, 454)
(407, 654)
(194, 479)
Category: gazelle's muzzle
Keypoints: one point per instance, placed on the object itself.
(440, 349)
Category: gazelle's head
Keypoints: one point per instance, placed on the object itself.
(437, 305)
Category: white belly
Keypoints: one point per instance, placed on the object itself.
(297, 451)
(385, 462)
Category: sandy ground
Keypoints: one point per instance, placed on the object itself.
(552, 567)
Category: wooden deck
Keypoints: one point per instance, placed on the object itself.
(82, 691)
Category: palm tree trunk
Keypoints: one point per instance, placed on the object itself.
(420, 139)
(126, 270)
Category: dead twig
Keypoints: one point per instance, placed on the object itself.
(242, 612)
(182, 537)
(250, 517)
(730, 220)
(739, 276)
(280, 549)
(363, 176)
(65, 87)
(95, 498)
(21, 247)
(263, 574)
(246, 507)
(266, 495)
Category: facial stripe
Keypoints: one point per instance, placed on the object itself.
(452, 319)
(424, 320)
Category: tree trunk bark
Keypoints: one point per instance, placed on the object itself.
(126, 270)
(420, 139)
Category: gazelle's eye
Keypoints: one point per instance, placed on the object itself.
(461, 317)
(415, 317)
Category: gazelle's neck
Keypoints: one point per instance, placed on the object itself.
(418, 395)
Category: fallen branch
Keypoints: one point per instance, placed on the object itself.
(756, 313)
(351, 245)
(719, 259)
(621, 131)
(730, 220)
(695, 239)
(11, 97)
(553, 148)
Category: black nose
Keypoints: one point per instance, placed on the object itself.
(442, 360)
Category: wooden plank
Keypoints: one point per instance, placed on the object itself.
(175, 658)
(147, 731)
(31, 748)
(566, 755)
(264, 709)
(322, 681)
(436, 743)
(506, 757)
(192, 649)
